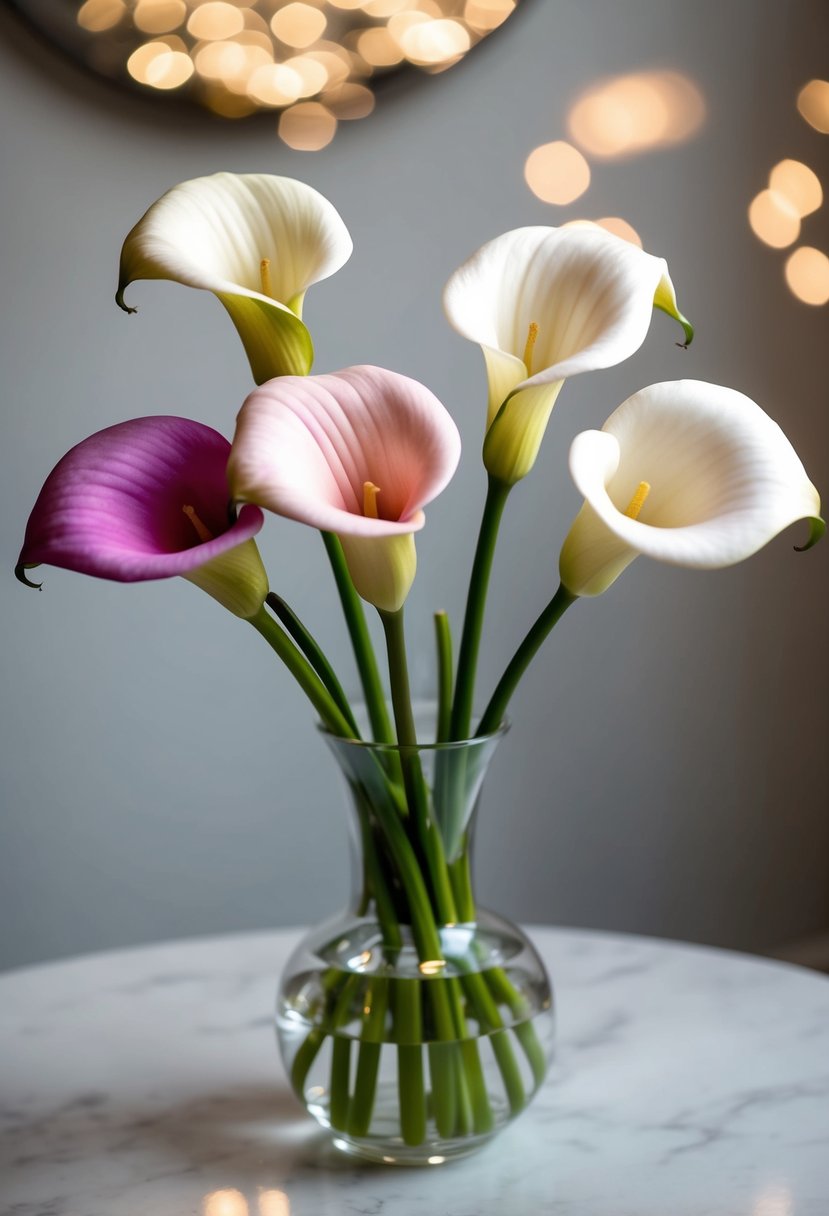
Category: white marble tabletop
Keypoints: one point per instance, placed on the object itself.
(688, 1082)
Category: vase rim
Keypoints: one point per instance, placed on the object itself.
(419, 707)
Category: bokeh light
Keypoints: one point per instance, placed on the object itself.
(96, 16)
(799, 184)
(636, 113)
(621, 228)
(308, 126)
(813, 104)
(773, 219)
(807, 274)
(274, 1203)
(557, 173)
(239, 56)
(299, 25)
(216, 20)
(159, 16)
(225, 1203)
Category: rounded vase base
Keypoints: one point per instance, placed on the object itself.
(409, 1155)
(385, 1145)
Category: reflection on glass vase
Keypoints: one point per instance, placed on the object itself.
(414, 1026)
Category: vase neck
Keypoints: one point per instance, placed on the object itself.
(412, 813)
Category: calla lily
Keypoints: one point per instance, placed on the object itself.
(258, 243)
(544, 304)
(688, 473)
(148, 499)
(358, 453)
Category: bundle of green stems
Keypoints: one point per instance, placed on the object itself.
(416, 888)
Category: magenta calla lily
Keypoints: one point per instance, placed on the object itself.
(148, 499)
(358, 453)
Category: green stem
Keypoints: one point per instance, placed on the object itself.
(360, 640)
(303, 673)
(496, 498)
(494, 713)
(443, 642)
(418, 797)
(408, 1027)
(500, 985)
(368, 1060)
(314, 654)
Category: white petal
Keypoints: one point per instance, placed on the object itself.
(591, 295)
(213, 232)
(724, 481)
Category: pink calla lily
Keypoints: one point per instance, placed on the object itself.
(148, 499)
(358, 453)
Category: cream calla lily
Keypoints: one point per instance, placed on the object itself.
(685, 472)
(358, 453)
(258, 243)
(545, 304)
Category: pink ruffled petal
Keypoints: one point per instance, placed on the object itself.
(305, 447)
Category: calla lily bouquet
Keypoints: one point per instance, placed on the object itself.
(687, 472)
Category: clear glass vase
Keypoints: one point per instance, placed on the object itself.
(414, 1025)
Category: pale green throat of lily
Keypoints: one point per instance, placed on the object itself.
(638, 501)
(204, 534)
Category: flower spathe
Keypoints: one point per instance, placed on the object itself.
(148, 499)
(258, 242)
(685, 472)
(358, 453)
(545, 304)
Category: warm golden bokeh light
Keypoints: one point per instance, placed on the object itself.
(273, 84)
(274, 1203)
(799, 184)
(312, 74)
(635, 113)
(807, 274)
(307, 127)
(220, 60)
(225, 1203)
(434, 41)
(237, 56)
(156, 63)
(349, 101)
(487, 14)
(159, 16)
(378, 48)
(557, 173)
(216, 21)
(299, 25)
(773, 219)
(384, 8)
(813, 104)
(621, 228)
(99, 15)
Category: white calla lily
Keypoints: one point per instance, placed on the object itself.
(257, 242)
(685, 472)
(545, 304)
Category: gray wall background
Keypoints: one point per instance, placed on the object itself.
(667, 771)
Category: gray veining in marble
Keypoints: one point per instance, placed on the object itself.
(688, 1082)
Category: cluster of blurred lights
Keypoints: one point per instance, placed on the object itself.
(233, 1203)
(614, 119)
(793, 193)
(311, 60)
